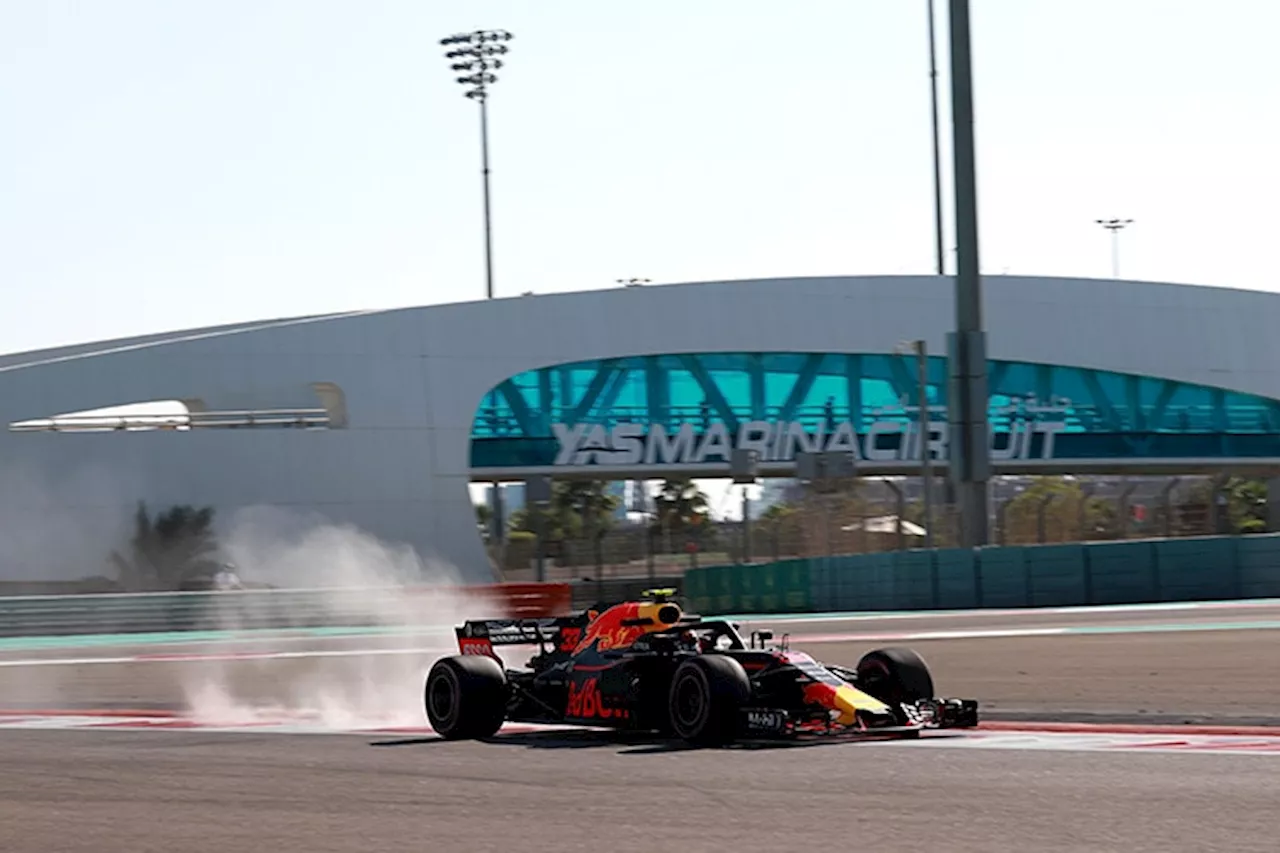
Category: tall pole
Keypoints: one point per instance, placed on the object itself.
(477, 53)
(939, 251)
(926, 433)
(970, 459)
(488, 221)
(499, 521)
(1115, 226)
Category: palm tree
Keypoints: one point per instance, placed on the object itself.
(777, 518)
(165, 553)
(588, 500)
(680, 507)
(1247, 505)
(484, 519)
(576, 505)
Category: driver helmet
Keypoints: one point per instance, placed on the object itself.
(694, 642)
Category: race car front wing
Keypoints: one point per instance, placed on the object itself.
(942, 713)
(919, 715)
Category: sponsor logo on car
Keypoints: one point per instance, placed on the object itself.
(585, 702)
(764, 720)
(476, 646)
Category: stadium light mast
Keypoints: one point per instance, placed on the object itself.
(1115, 226)
(476, 54)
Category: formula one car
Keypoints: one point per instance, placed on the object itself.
(647, 666)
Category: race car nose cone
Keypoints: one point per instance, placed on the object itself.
(849, 700)
(846, 700)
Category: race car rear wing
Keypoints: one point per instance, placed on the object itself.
(509, 632)
(479, 636)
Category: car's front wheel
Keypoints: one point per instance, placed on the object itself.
(706, 699)
(466, 697)
(895, 676)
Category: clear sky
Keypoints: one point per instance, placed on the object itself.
(169, 164)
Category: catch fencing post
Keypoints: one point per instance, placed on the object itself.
(744, 467)
(538, 496)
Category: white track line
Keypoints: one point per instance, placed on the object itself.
(1108, 742)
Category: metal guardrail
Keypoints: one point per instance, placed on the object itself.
(339, 607)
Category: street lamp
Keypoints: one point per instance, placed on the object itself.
(476, 54)
(925, 431)
(1115, 226)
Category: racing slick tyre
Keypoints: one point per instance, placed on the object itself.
(706, 699)
(895, 676)
(466, 697)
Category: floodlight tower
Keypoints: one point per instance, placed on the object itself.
(1115, 226)
(476, 54)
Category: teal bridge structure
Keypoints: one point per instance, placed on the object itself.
(1079, 419)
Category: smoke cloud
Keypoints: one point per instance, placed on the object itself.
(404, 604)
(354, 578)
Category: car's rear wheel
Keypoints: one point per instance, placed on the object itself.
(895, 676)
(706, 699)
(466, 696)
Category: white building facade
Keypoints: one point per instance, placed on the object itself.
(400, 410)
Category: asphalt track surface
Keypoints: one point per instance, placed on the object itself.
(1204, 664)
(83, 792)
(200, 791)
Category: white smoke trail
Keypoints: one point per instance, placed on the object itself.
(355, 577)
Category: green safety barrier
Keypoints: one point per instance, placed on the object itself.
(1130, 572)
(782, 587)
(1058, 575)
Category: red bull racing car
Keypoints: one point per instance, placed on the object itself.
(648, 666)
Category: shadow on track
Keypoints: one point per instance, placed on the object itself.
(569, 739)
(635, 743)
